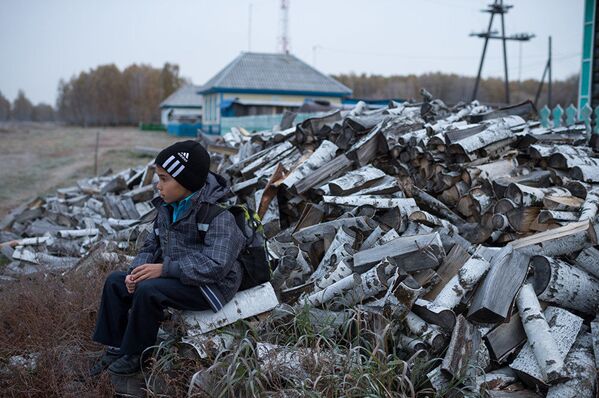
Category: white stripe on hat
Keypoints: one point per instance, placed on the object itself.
(172, 167)
(179, 170)
(165, 164)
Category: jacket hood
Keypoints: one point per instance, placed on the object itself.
(214, 190)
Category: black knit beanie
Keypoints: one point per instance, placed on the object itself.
(187, 162)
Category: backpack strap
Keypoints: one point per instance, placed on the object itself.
(205, 215)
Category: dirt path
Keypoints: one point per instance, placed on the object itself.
(37, 159)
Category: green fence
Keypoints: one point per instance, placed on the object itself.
(558, 117)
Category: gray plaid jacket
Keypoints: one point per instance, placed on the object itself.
(213, 265)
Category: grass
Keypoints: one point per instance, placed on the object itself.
(51, 318)
(43, 157)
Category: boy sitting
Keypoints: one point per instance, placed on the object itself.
(173, 269)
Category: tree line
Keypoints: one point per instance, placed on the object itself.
(109, 97)
(452, 88)
(23, 110)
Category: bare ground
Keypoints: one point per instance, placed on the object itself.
(35, 159)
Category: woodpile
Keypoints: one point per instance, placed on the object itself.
(471, 232)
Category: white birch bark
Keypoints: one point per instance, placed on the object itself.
(351, 289)
(318, 231)
(570, 238)
(558, 282)
(428, 333)
(325, 153)
(548, 357)
(372, 238)
(590, 206)
(588, 260)
(340, 271)
(77, 233)
(274, 153)
(586, 173)
(524, 195)
(343, 237)
(406, 205)
(411, 344)
(580, 370)
(465, 280)
(546, 216)
(498, 130)
(355, 180)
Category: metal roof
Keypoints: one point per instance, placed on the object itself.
(186, 96)
(282, 73)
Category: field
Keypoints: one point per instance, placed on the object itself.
(38, 158)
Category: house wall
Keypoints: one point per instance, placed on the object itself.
(178, 111)
(212, 116)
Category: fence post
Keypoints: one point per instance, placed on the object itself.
(558, 113)
(544, 114)
(586, 112)
(571, 112)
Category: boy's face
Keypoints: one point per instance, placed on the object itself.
(170, 190)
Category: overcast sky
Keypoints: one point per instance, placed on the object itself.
(42, 41)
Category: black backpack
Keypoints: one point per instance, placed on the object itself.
(254, 260)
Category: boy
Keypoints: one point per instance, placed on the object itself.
(173, 269)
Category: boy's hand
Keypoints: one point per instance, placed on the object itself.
(130, 284)
(146, 271)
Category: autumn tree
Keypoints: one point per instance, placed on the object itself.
(453, 88)
(4, 108)
(43, 113)
(22, 109)
(107, 96)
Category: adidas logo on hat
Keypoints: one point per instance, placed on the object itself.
(184, 156)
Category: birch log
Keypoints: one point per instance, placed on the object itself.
(351, 289)
(523, 195)
(412, 253)
(406, 205)
(340, 271)
(356, 180)
(465, 280)
(325, 153)
(590, 206)
(435, 314)
(463, 348)
(586, 173)
(495, 295)
(318, 231)
(562, 203)
(548, 357)
(344, 236)
(580, 370)
(569, 161)
(570, 238)
(428, 333)
(497, 131)
(558, 282)
(273, 154)
(588, 260)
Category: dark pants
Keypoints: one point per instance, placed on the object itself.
(131, 321)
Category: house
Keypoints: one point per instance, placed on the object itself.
(265, 84)
(181, 112)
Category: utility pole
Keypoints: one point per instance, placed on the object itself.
(497, 8)
(546, 71)
(284, 41)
